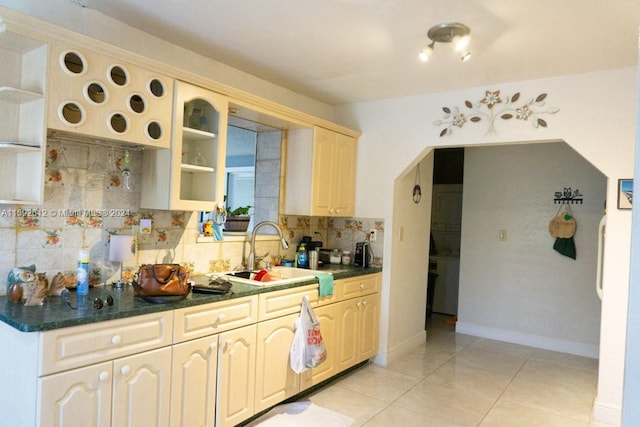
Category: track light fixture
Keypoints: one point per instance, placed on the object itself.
(450, 32)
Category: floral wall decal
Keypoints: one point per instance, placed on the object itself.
(492, 107)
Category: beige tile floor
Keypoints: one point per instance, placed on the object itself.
(460, 380)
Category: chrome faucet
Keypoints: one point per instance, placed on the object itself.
(252, 250)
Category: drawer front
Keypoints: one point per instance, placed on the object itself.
(77, 346)
(203, 320)
(356, 286)
(280, 303)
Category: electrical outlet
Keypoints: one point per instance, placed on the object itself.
(373, 234)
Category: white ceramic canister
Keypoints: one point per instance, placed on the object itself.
(346, 257)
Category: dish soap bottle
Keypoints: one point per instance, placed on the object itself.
(83, 273)
(302, 257)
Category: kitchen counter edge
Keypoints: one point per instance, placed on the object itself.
(56, 314)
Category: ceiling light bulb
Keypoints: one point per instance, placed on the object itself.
(426, 53)
(461, 43)
(466, 56)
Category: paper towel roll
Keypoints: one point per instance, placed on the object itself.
(121, 248)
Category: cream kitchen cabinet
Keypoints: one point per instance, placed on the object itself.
(236, 376)
(193, 382)
(330, 329)
(358, 337)
(22, 117)
(275, 380)
(96, 96)
(132, 391)
(321, 167)
(193, 171)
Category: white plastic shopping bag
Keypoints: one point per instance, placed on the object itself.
(308, 349)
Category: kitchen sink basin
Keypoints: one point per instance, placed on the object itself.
(277, 276)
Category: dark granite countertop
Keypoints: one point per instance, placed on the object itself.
(56, 313)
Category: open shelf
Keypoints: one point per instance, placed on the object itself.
(186, 167)
(18, 96)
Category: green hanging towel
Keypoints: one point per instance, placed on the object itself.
(566, 247)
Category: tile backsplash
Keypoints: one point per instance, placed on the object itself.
(93, 191)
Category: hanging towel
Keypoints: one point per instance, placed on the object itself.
(326, 284)
(566, 247)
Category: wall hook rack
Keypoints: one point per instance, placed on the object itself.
(567, 196)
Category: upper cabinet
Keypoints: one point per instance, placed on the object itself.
(22, 117)
(191, 175)
(320, 174)
(100, 96)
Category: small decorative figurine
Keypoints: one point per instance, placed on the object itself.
(20, 277)
(56, 286)
(37, 290)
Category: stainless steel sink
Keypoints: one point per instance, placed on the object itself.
(278, 275)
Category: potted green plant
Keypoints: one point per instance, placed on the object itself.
(238, 219)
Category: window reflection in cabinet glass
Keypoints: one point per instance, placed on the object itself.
(252, 173)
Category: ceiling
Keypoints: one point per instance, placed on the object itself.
(344, 51)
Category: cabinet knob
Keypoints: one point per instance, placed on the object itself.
(212, 346)
(361, 285)
(125, 370)
(358, 304)
(116, 339)
(330, 210)
(104, 375)
(221, 317)
(337, 211)
(364, 303)
(228, 342)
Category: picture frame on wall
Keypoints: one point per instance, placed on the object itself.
(625, 193)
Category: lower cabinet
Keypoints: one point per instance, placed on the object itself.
(193, 382)
(358, 338)
(328, 317)
(130, 391)
(275, 380)
(236, 374)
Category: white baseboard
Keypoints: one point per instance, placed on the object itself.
(547, 343)
(385, 357)
(607, 414)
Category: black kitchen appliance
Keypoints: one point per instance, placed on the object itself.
(362, 256)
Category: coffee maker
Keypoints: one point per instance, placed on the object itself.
(362, 257)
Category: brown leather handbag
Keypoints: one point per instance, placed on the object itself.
(162, 283)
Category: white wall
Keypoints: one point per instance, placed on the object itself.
(596, 118)
(521, 290)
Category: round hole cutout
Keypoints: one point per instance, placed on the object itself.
(156, 87)
(118, 123)
(71, 113)
(119, 75)
(154, 130)
(73, 63)
(137, 104)
(96, 93)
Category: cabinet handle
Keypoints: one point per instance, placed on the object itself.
(104, 375)
(116, 339)
(125, 370)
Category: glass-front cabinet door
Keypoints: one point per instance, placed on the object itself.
(196, 160)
